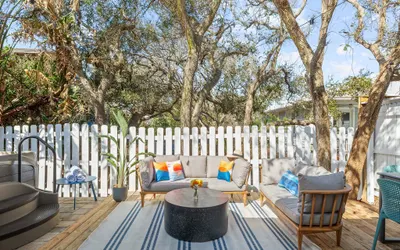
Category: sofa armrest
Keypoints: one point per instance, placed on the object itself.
(248, 176)
(139, 177)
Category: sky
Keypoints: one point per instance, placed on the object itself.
(338, 63)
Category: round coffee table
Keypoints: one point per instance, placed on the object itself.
(197, 221)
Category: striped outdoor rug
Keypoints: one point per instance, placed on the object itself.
(250, 227)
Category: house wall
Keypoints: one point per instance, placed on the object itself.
(347, 107)
(384, 147)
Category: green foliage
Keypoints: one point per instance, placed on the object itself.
(34, 79)
(353, 86)
(140, 47)
(165, 121)
(120, 162)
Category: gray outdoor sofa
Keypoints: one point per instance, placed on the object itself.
(194, 167)
(321, 201)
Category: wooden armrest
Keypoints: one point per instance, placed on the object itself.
(345, 190)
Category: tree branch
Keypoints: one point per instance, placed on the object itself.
(358, 36)
(209, 19)
(327, 9)
(299, 39)
(185, 25)
(303, 4)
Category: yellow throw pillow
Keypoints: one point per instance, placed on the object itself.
(224, 170)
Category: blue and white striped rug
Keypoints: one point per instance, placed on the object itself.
(250, 227)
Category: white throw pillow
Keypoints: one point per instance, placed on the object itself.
(175, 170)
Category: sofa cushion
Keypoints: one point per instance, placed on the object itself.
(310, 170)
(224, 186)
(165, 158)
(274, 193)
(194, 166)
(240, 171)
(166, 186)
(322, 182)
(146, 170)
(272, 170)
(213, 165)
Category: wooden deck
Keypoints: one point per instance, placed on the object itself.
(360, 221)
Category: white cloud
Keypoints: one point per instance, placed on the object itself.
(342, 69)
(289, 57)
(341, 51)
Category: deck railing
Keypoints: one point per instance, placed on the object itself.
(82, 146)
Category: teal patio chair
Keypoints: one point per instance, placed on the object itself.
(390, 191)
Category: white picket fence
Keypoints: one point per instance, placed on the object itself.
(82, 146)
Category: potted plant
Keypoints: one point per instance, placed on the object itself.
(122, 166)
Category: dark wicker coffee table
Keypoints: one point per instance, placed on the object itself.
(196, 221)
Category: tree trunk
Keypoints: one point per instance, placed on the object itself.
(321, 117)
(100, 112)
(248, 114)
(186, 101)
(312, 61)
(366, 125)
(135, 120)
(203, 95)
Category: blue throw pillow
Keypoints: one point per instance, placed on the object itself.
(290, 182)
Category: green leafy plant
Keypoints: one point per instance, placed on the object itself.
(120, 161)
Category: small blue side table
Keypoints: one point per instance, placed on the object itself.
(89, 179)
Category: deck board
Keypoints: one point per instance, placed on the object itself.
(75, 226)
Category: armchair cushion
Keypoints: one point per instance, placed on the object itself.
(272, 170)
(240, 171)
(289, 207)
(322, 182)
